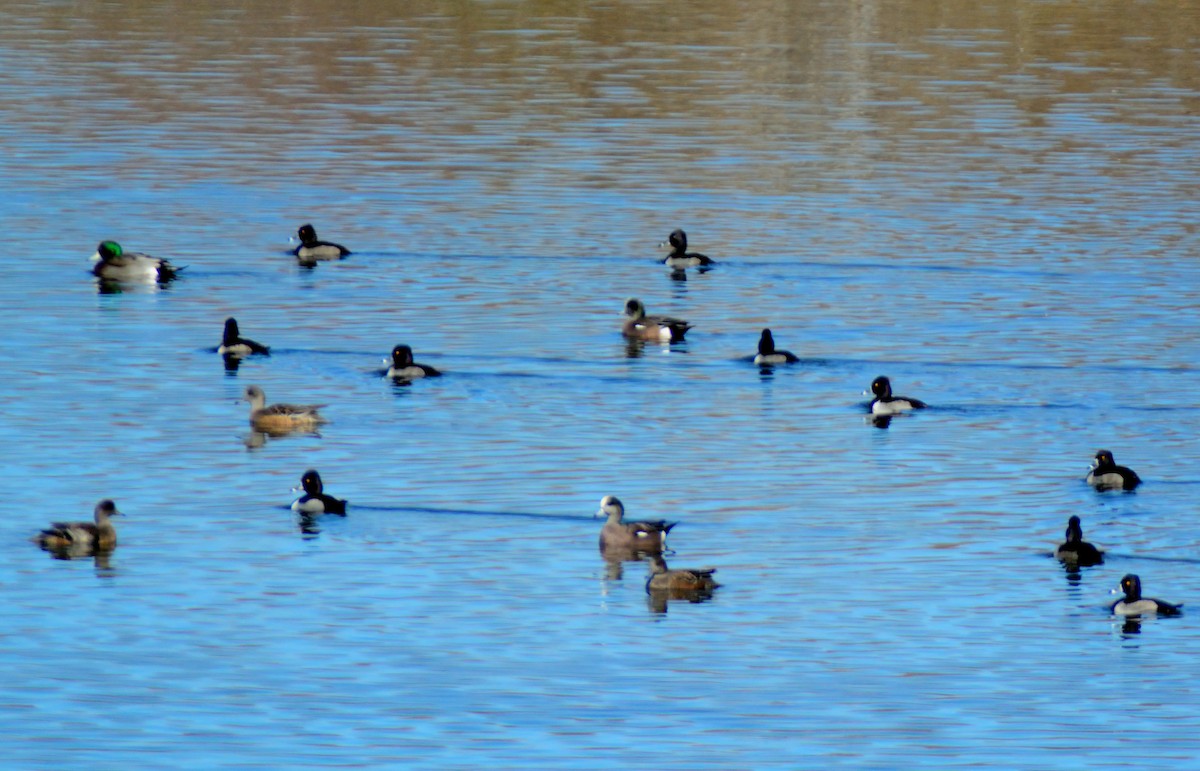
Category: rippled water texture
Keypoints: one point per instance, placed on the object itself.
(994, 204)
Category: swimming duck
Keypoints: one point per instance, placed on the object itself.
(1134, 604)
(280, 418)
(404, 368)
(233, 344)
(1107, 475)
(98, 535)
(768, 354)
(1077, 551)
(638, 536)
(683, 579)
(680, 257)
(314, 500)
(886, 404)
(310, 249)
(642, 327)
(115, 264)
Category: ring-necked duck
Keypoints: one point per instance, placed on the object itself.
(1077, 551)
(1135, 604)
(642, 327)
(691, 580)
(647, 535)
(233, 344)
(886, 404)
(680, 257)
(768, 354)
(1107, 475)
(280, 417)
(314, 500)
(310, 249)
(82, 535)
(404, 368)
(115, 264)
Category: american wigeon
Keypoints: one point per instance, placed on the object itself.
(680, 257)
(642, 327)
(314, 500)
(404, 368)
(768, 354)
(1107, 475)
(683, 579)
(311, 249)
(886, 404)
(115, 264)
(75, 536)
(650, 536)
(1134, 604)
(280, 418)
(233, 344)
(1075, 550)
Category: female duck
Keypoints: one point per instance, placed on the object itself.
(404, 368)
(311, 249)
(99, 535)
(680, 257)
(642, 327)
(115, 264)
(280, 418)
(886, 404)
(1075, 550)
(233, 344)
(1135, 604)
(1107, 475)
(661, 578)
(648, 536)
(768, 354)
(314, 500)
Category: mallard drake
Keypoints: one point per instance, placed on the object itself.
(115, 264)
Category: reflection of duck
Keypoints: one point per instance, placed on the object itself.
(314, 500)
(280, 418)
(680, 257)
(1107, 475)
(404, 368)
(310, 249)
(768, 354)
(638, 325)
(1134, 604)
(618, 535)
(682, 579)
(233, 345)
(886, 404)
(80, 538)
(115, 264)
(1075, 550)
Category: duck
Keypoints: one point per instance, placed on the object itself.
(314, 500)
(1107, 475)
(886, 404)
(768, 354)
(1077, 551)
(650, 535)
(680, 257)
(689, 580)
(311, 249)
(98, 535)
(639, 326)
(1135, 604)
(404, 368)
(115, 264)
(233, 344)
(280, 418)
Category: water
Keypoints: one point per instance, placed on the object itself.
(994, 205)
